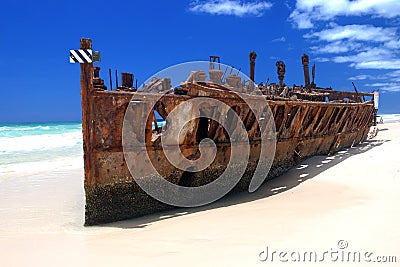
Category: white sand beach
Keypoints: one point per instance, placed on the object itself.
(352, 197)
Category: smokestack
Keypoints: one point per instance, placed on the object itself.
(252, 56)
(305, 62)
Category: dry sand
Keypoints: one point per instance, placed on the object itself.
(352, 196)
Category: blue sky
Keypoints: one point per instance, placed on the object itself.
(350, 41)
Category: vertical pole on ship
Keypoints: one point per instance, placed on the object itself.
(305, 61)
(86, 81)
(252, 57)
(116, 79)
(109, 74)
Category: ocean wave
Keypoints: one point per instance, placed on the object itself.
(23, 128)
(39, 142)
(17, 130)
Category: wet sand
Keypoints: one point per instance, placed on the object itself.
(351, 196)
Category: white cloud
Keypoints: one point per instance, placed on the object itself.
(365, 56)
(322, 59)
(373, 58)
(230, 7)
(309, 11)
(391, 81)
(377, 64)
(359, 77)
(394, 44)
(336, 47)
(393, 76)
(302, 20)
(362, 46)
(281, 39)
(355, 33)
(393, 87)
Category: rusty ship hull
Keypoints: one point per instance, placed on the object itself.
(303, 129)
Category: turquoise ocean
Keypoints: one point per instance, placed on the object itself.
(23, 146)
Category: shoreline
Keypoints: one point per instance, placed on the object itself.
(349, 196)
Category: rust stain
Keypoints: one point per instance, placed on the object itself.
(309, 121)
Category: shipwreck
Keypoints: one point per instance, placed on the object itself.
(306, 120)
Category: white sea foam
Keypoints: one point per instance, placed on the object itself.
(24, 128)
(39, 142)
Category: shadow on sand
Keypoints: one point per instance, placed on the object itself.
(305, 170)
